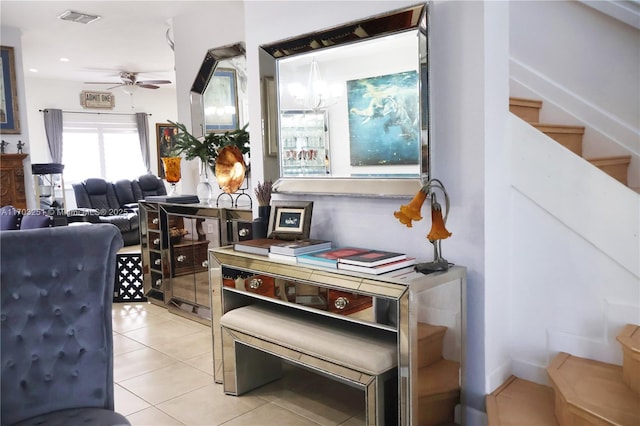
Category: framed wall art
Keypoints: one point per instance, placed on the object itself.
(290, 220)
(384, 124)
(221, 102)
(165, 138)
(9, 116)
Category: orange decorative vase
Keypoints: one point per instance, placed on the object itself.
(172, 171)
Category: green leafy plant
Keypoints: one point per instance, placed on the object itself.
(208, 147)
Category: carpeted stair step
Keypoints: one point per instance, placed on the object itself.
(526, 109)
(519, 402)
(629, 339)
(589, 392)
(438, 392)
(617, 167)
(568, 136)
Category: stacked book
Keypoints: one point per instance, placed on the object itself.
(358, 259)
(281, 249)
(319, 253)
(289, 250)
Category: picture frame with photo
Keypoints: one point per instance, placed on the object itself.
(165, 138)
(9, 116)
(290, 220)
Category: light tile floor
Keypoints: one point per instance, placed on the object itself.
(163, 371)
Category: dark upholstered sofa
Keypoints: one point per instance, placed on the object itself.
(100, 201)
(56, 332)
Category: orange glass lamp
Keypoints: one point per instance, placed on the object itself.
(411, 212)
(172, 172)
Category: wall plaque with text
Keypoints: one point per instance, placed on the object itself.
(100, 100)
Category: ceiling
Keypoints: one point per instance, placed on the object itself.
(130, 36)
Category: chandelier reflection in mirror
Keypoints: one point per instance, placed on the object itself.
(318, 94)
(411, 212)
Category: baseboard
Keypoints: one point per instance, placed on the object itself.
(475, 417)
(498, 376)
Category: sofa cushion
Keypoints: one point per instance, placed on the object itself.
(124, 192)
(95, 186)
(9, 218)
(148, 185)
(101, 196)
(36, 219)
(125, 222)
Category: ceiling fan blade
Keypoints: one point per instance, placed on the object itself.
(154, 82)
(148, 86)
(117, 85)
(100, 82)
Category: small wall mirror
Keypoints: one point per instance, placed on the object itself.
(345, 109)
(219, 91)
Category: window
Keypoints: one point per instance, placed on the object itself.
(101, 145)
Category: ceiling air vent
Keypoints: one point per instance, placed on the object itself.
(81, 18)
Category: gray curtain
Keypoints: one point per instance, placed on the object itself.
(143, 133)
(53, 130)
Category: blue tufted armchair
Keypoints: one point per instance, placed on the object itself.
(55, 319)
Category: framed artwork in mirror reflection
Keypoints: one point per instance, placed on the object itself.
(384, 119)
(290, 220)
(221, 102)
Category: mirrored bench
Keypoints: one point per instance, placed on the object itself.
(397, 336)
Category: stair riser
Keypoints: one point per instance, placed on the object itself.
(631, 370)
(573, 142)
(437, 410)
(430, 349)
(528, 114)
(618, 172)
(566, 416)
(616, 167)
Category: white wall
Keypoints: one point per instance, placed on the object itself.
(575, 241)
(584, 65)
(573, 232)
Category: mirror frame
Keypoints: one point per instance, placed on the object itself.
(376, 26)
(208, 67)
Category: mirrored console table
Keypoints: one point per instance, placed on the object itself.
(422, 314)
(174, 242)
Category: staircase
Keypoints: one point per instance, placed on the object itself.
(570, 137)
(582, 392)
(438, 378)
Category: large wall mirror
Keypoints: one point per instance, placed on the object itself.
(219, 91)
(345, 110)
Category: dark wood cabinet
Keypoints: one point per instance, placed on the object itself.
(12, 185)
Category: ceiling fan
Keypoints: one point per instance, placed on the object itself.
(131, 79)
